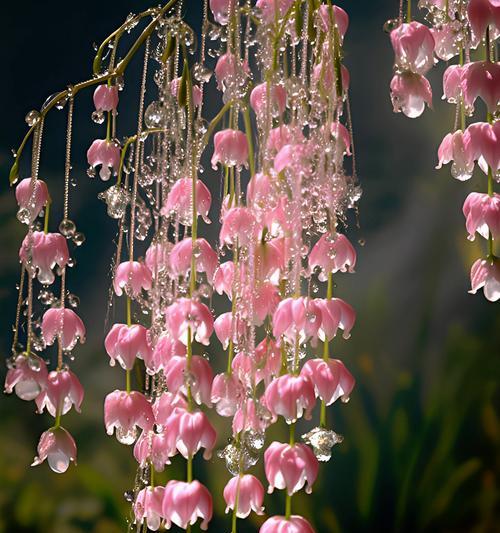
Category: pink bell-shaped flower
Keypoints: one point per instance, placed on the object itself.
(332, 253)
(413, 46)
(200, 377)
(483, 13)
(27, 376)
(485, 274)
(105, 153)
(409, 94)
(281, 524)
(187, 314)
(165, 405)
(446, 36)
(283, 135)
(335, 313)
(196, 93)
(31, 195)
(481, 80)
(206, 257)
(324, 76)
(63, 323)
(268, 360)
(166, 347)
(224, 278)
(125, 412)
(179, 201)
(184, 503)
(266, 299)
(155, 448)
(220, 10)
(251, 416)
(132, 276)
(46, 251)
(330, 378)
(188, 432)
(239, 225)
(296, 319)
(340, 18)
(247, 493)
(228, 328)
(157, 257)
(482, 214)
(230, 149)
(291, 397)
(273, 8)
(260, 191)
(149, 505)
(258, 100)
(227, 394)
(290, 467)
(124, 343)
(485, 144)
(230, 70)
(452, 83)
(457, 147)
(58, 447)
(106, 98)
(63, 389)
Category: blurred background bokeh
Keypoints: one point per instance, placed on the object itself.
(422, 429)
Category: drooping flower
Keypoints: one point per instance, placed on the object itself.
(413, 45)
(196, 93)
(481, 80)
(485, 144)
(165, 348)
(290, 467)
(332, 253)
(184, 503)
(339, 17)
(58, 447)
(228, 328)
(452, 83)
(27, 376)
(157, 257)
(149, 505)
(155, 448)
(281, 524)
(409, 94)
(189, 315)
(272, 8)
(179, 201)
(31, 195)
(199, 377)
(330, 378)
(62, 390)
(245, 491)
(220, 10)
(227, 394)
(206, 259)
(230, 70)
(335, 313)
(125, 412)
(483, 13)
(296, 318)
(239, 225)
(64, 324)
(290, 396)
(132, 276)
(46, 250)
(105, 153)
(485, 274)
(165, 405)
(126, 343)
(230, 148)
(457, 147)
(258, 99)
(482, 214)
(106, 98)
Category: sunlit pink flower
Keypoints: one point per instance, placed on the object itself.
(200, 377)
(196, 93)
(250, 416)
(339, 16)
(165, 348)
(330, 378)
(446, 37)
(485, 274)
(272, 8)
(227, 328)
(105, 153)
(457, 147)
(290, 467)
(483, 13)
(124, 343)
(149, 505)
(239, 225)
(184, 503)
(220, 10)
(260, 191)
(266, 299)
(229, 69)
(268, 360)
(106, 98)
(62, 390)
(165, 405)
(258, 99)
(157, 257)
(485, 144)
(125, 412)
(296, 318)
(179, 201)
(325, 77)
(227, 394)
(335, 313)
(294, 157)
(332, 253)
(155, 448)
(291, 397)
(189, 431)
(413, 46)
(63, 323)
(132, 276)
(452, 83)
(58, 447)
(269, 261)
(27, 377)
(482, 214)
(206, 259)
(224, 277)
(481, 80)
(281, 524)
(186, 314)
(409, 94)
(32, 195)
(283, 135)
(245, 491)
(230, 149)
(46, 251)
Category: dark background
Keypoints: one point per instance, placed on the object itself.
(422, 433)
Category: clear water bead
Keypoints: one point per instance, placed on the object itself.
(67, 228)
(98, 117)
(117, 199)
(32, 117)
(322, 441)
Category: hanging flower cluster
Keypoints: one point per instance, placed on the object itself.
(284, 151)
(466, 30)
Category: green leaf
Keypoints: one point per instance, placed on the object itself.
(182, 91)
(14, 173)
(169, 49)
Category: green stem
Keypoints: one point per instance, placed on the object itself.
(248, 131)
(46, 218)
(108, 126)
(58, 419)
(189, 356)
(234, 520)
(128, 381)
(408, 12)
(487, 44)
(129, 311)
